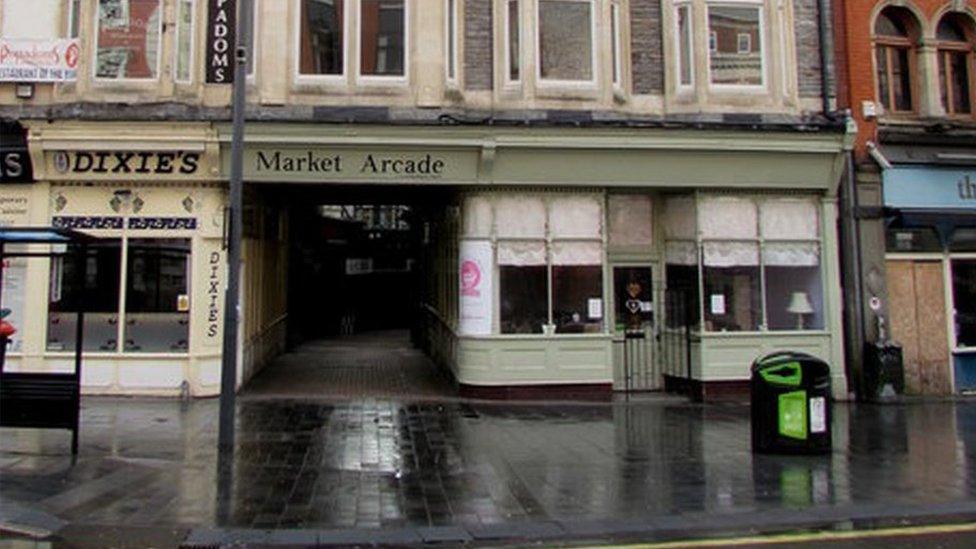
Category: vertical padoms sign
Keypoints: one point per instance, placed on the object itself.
(221, 37)
(477, 287)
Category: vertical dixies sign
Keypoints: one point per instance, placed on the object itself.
(221, 32)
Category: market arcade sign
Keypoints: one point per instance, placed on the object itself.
(323, 164)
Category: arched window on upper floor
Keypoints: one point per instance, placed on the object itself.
(956, 41)
(896, 35)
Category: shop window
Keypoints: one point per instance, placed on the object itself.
(382, 38)
(684, 47)
(955, 36)
(566, 48)
(97, 294)
(513, 52)
(322, 40)
(157, 301)
(731, 279)
(550, 259)
(577, 287)
(963, 240)
(737, 57)
(450, 49)
(895, 39)
(184, 41)
(923, 239)
(523, 300)
(791, 263)
(128, 39)
(964, 299)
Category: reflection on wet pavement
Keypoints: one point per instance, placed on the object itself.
(381, 463)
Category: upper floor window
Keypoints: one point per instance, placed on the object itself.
(566, 49)
(686, 69)
(513, 52)
(183, 68)
(896, 34)
(74, 19)
(451, 41)
(322, 37)
(956, 44)
(735, 44)
(382, 38)
(128, 39)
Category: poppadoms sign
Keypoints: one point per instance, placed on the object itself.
(47, 60)
(930, 188)
(221, 39)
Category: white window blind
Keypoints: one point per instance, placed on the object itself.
(727, 217)
(791, 254)
(575, 217)
(520, 217)
(522, 253)
(789, 219)
(577, 253)
(730, 254)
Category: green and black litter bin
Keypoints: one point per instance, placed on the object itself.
(790, 404)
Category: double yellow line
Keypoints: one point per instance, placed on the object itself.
(805, 537)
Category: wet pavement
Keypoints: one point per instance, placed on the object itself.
(381, 364)
(466, 470)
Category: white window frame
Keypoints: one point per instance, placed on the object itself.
(738, 42)
(383, 79)
(594, 66)
(193, 42)
(451, 41)
(690, 39)
(297, 45)
(616, 38)
(507, 42)
(759, 5)
(159, 46)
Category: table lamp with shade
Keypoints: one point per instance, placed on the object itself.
(800, 305)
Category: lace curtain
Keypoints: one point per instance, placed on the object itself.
(575, 217)
(522, 254)
(577, 253)
(730, 254)
(681, 253)
(791, 254)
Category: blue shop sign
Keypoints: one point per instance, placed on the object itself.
(935, 188)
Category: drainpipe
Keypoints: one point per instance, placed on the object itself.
(823, 26)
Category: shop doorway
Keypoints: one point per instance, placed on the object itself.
(364, 269)
(636, 349)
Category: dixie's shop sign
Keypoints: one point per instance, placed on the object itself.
(127, 164)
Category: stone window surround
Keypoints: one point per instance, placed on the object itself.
(352, 45)
(780, 80)
(453, 19)
(531, 85)
(927, 102)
